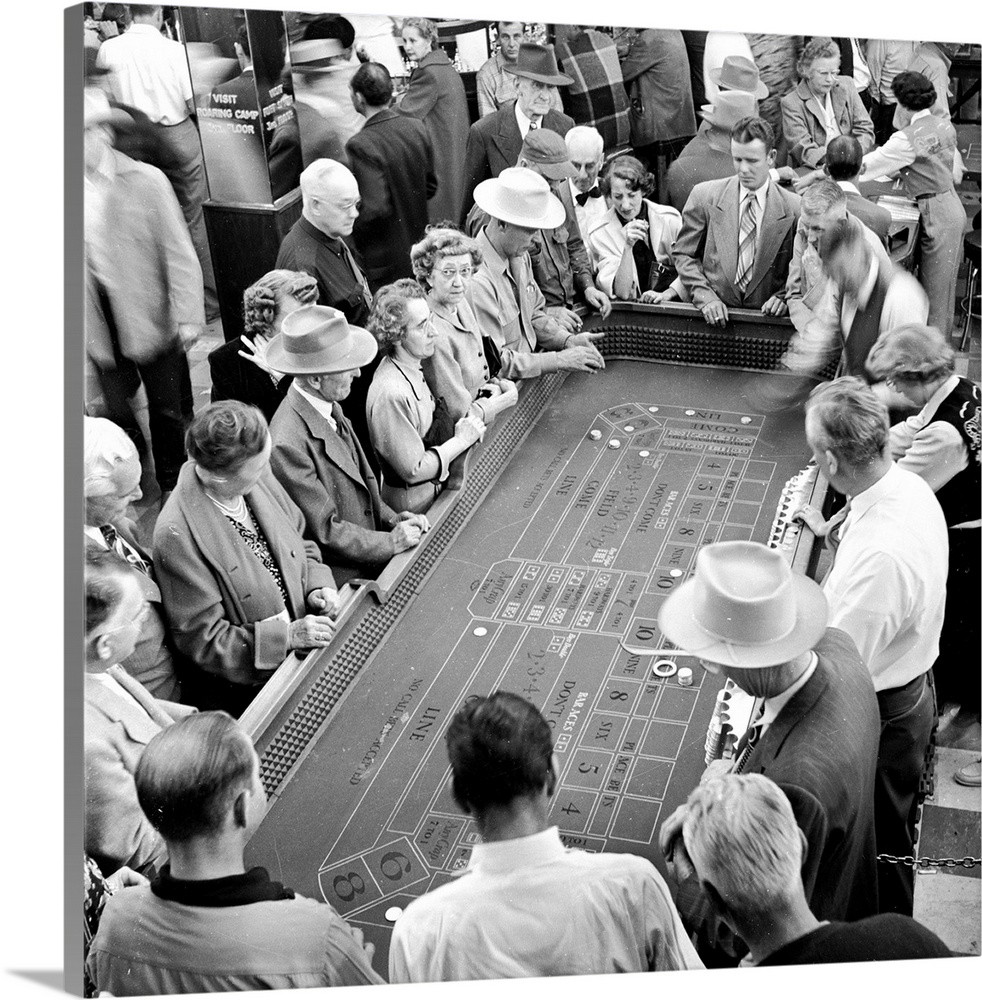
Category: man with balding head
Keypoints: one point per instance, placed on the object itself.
(206, 924)
(392, 161)
(316, 243)
(843, 162)
(585, 147)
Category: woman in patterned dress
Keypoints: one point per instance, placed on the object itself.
(241, 588)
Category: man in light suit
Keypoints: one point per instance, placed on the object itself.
(144, 300)
(737, 234)
(316, 455)
(747, 616)
(495, 141)
(121, 717)
(111, 483)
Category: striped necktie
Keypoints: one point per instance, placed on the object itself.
(748, 241)
(122, 548)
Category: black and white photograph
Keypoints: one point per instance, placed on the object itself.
(521, 504)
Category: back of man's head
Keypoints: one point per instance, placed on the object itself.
(746, 130)
(851, 420)
(843, 158)
(500, 748)
(373, 82)
(742, 837)
(145, 11)
(822, 197)
(190, 774)
(331, 26)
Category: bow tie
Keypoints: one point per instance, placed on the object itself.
(581, 198)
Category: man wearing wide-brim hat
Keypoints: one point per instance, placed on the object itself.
(503, 293)
(707, 157)
(495, 141)
(316, 455)
(747, 616)
(560, 262)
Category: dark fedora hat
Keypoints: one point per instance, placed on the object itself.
(538, 62)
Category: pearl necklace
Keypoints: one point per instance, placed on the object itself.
(236, 510)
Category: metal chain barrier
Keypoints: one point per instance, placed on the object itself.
(912, 862)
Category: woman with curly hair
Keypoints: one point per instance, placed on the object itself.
(462, 371)
(400, 406)
(238, 368)
(941, 444)
(634, 239)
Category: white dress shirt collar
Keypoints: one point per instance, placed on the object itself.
(761, 194)
(502, 856)
(775, 704)
(920, 114)
(325, 409)
(524, 122)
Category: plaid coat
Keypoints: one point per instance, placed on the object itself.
(597, 96)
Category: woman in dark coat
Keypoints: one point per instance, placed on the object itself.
(436, 96)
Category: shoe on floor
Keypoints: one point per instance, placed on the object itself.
(970, 774)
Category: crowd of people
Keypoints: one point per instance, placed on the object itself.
(438, 263)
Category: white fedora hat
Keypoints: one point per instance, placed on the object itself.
(317, 340)
(744, 608)
(520, 196)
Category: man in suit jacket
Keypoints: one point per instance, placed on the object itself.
(392, 160)
(144, 299)
(495, 140)
(316, 455)
(111, 483)
(707, 156)
(746, 615)
(121, 717)
(843, 162)
(737, 234)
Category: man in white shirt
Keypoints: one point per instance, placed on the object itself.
(150, 72)
(526, 905)
(747, 616)
(585, 146)
(886, 589)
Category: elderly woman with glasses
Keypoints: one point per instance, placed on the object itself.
(822, 106)
(941, 444)
(415, 458)
(462, 371)
(236, 575)
(238, 367)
